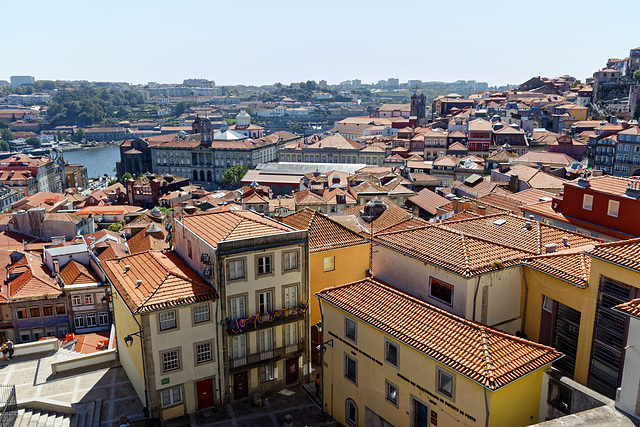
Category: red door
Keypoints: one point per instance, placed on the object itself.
(205, 393)
(240, 385)
(292, 371)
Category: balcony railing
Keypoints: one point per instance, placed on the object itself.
(9, 411)
(268, 320)
(257, 358)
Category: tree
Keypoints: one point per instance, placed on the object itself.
(59, 136)
(4, 124)
(4, 146)
(636, 75)
(232, 176)
(78, 135)
(33, 141)
(117, 226)
(125, 177)
(13, 117)
(113, 181)
(6, 135)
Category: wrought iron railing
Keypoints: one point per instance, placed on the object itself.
(265, 356)
(9, 408)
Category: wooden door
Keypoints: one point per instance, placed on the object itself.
(292, 371)
(205, 393)
(240, 385)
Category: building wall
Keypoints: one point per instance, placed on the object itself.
(351, 264)
(518, 404)
(627, 399)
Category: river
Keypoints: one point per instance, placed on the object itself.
(99, 161)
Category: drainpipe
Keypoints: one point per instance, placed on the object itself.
(486, 407)
(218, 326)
(144, 367)
(475, 296)
(526, 296)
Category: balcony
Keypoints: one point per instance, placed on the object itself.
(269, 320)
(254, 359)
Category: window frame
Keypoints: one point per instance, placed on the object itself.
(244, 306)
(388, 343)
(171, 397)
(440, 371)
(76, 300)
(347, 419)
(285, 256)
(31, 311)
(235, 261)
(348, 358)
(160, 321)
(64, 309)
(287, 289)
(178, 360)
(354, 338)
(195, 314)
(196, 354)
(46, 308)
(333, 264)
(22, 310)
(269, 304)
(93, 316)
(617, 210)
(388, 385)
(587, 202)
(88, 299)
(78, 317)
(267, 373)
(268, 263)
(444, 285)
(103, 315)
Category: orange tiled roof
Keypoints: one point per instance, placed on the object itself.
(34, 279)
(428, 200)
(487, 356)
(631, 308)
(152, 237)
(392, 215)
(214, 227)
(166, 281)
(324, 233)
(572, 266)
(74, 273)
(625, 253)
(607, 184)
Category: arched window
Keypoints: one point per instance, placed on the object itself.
(195, 175)
(209, 176)
(351, 413)
(202, 176)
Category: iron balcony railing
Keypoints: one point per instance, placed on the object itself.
(9, 409)
(266, 356)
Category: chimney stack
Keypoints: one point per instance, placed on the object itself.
(550, 248)
(565, 241)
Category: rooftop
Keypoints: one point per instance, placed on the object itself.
(487, 356)
(625, 253)
(324, 233)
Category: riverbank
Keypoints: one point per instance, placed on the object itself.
(77, 147)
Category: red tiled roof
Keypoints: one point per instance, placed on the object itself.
(428, 200)
(572, 266)
(166, 281)
(324, 233)
(487, 356)
(625, 253)
(75, 273)
(145, 240)
(607, 184)
(34, 280)
(631, 308)
(219, 226)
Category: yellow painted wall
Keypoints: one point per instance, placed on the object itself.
(351, 264)
(173, 412)
(517, 404)
(582, 300)
(130, 357)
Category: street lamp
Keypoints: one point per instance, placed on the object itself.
(128, 340)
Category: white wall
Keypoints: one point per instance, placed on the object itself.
(627, 395)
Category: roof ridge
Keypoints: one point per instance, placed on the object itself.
(465, 252)
(583, 266)
(489, 368)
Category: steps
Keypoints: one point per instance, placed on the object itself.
(87, 415)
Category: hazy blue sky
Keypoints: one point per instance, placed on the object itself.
(263, 42)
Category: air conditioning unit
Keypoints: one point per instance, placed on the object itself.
(204, 258)
(207, 272)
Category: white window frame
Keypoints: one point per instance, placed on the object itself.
(238, 307)
(290, 260)
(76, 300)
(202, 350)
(171, 396)
(613, 208)
(290, 296)
(329, 263)
(264, 265)
(349, 421)
(170, 359)
(236, 269)
(199, 312)
(78, 321)
(88, 299)
(547, 304)
(265, 302)
(103, 318)
(166, 322)
(267, 373)
(92, 320)
(587, 202)
(348, 321)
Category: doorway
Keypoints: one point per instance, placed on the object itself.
(240, 385)
(292, 371)
(204, 389)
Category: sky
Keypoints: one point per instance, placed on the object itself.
(264, 42)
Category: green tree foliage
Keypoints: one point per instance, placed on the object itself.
(33, 141)
(4, 124)
(6, 135)
(113, 181)
(182, 106)
(232, 176)
(78, 135)
(125, 177)
(59, 136)
(117, 226)
(4, 146)
(87, 105)
(636, 75)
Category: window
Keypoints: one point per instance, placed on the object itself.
(170, 360)
(352, 413)
(103, 318)
(614, 207)
(329, 263)
(189, 249)
(351, 369)
(290, 260)
(441, 291)
(88, 299)
(172, 396)
(47, 310)
(203, 352)
(587, 202)
(92, 320)
(167, 320)
(391, 393)
(21, 313)
(201, 313)
(446, 382)
(34, 311)
(236, 269)
(265, 302)
(350, 329)
(264, 264)
(76, 300)
(237, 308)
(61, 309)
(25, 335)
(547, 304)
(78, 321)
(290, 296)
(266, 372)
(391, 352)
(239, 347)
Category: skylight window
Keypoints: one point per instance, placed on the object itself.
(499, 222)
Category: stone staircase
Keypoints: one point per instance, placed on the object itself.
(87, 415)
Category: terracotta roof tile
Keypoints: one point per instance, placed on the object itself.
(625, 253)
(166, 281)
(631, 308)
(392, 215)
(324, 233)
(487, 356)
(572, 266)
(34, 281)
(74, 273)
(428, 200)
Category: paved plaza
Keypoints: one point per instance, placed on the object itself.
(33, 380)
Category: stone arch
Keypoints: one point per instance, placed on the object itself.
(202, 176)
(209, 179)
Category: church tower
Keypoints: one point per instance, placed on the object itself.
(418, 105)
(206, 132)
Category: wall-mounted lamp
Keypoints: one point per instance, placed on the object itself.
(324, 345)
(128, 340)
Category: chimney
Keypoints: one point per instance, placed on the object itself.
(565, 241)
(26, 245)
(528, 225)
(126, 268)
(513, 183)
(56, 266)
(482, 210)
(456, 204)
(138, 283)
(531, 218)
(550, 248)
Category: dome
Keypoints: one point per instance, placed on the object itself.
(243, 118)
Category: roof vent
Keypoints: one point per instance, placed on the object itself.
(584, 182)
(528, 225)
(550, 248)
(633, 189)
(565, 241)
(138, 283)
(499, 222)
(127, 268)
(531, 218)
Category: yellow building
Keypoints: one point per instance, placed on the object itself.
(337, 255)
(166, 332)
(567, 301)
(392, 358)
